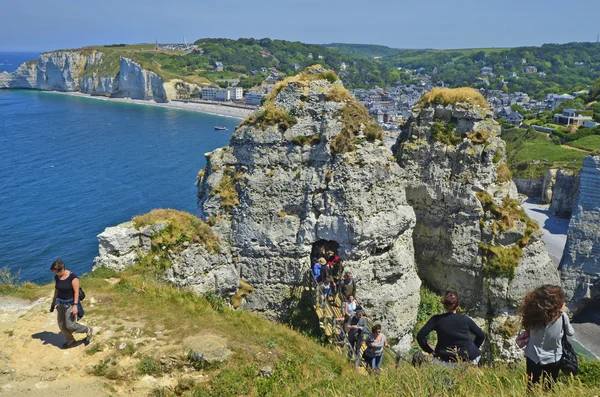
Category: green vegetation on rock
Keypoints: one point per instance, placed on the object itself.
(498, 260)
(355, 118)
(444, 133)
(226, 189)
(181, 227)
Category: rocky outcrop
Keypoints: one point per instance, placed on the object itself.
(580, 264)
(564, 193)
(531, 187)
(191, 264)
(87, 71)
(310, 168)
(471, 234)
(548, 186)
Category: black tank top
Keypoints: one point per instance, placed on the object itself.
(65, 287)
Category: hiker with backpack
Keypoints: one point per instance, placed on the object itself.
(67, 301)
(546, 324)
(375, 344)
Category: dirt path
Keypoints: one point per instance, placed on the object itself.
(33, 364)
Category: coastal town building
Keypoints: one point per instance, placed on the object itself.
(556, 100)
(254, 98)
(236, 93)
(570, 117)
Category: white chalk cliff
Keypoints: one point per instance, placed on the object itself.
(87, 71)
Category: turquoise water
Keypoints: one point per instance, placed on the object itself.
(72, 166)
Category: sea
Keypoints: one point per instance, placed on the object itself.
(72, 166)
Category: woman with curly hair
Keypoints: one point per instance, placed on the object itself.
(543, 316)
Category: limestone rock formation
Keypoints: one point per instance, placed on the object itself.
(308, 168)
(580, 264)
(191, 264)
(564, 193)
(87, 71)
(471, 234)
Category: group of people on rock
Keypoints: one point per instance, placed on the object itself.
(327, 269)
(459, 338)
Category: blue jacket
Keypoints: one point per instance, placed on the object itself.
(317, 270)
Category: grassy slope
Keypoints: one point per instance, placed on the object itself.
(301, 366)
(591, 143)
(525, 146)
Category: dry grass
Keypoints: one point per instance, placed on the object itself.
(244, 289)
(337, 93)
(355, 118)
(503, 173)
(270, 114)
(479, 137)
(226, 189)
(451, 96)
(182, 226)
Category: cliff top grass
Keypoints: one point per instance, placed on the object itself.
(304, 78)
(182, 226)
(153, 319)
(451, 96)
(160, 62)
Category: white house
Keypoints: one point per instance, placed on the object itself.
(236, 93)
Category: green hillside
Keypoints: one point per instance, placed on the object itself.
(369, 51)
(564, 67)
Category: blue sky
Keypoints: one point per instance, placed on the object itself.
(34, 25)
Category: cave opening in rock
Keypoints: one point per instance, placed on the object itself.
(328, 245)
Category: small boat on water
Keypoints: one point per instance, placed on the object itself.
(220, 128)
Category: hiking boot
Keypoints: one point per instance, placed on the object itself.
(68, 345)
(88, 337)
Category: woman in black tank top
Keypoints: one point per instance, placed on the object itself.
(66, 300)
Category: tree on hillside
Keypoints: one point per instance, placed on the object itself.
(595, 92)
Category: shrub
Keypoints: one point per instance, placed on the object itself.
(500, 261)
(451, 96)
(509, 329)
(444, 133)
(497, 157)
(244, 289)
(302, 140)
(479, 137)
(150, 366)
(430, 304)
(8, 281)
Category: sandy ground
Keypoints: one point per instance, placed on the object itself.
(33, 364)
(587, 323)
(219, 110)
